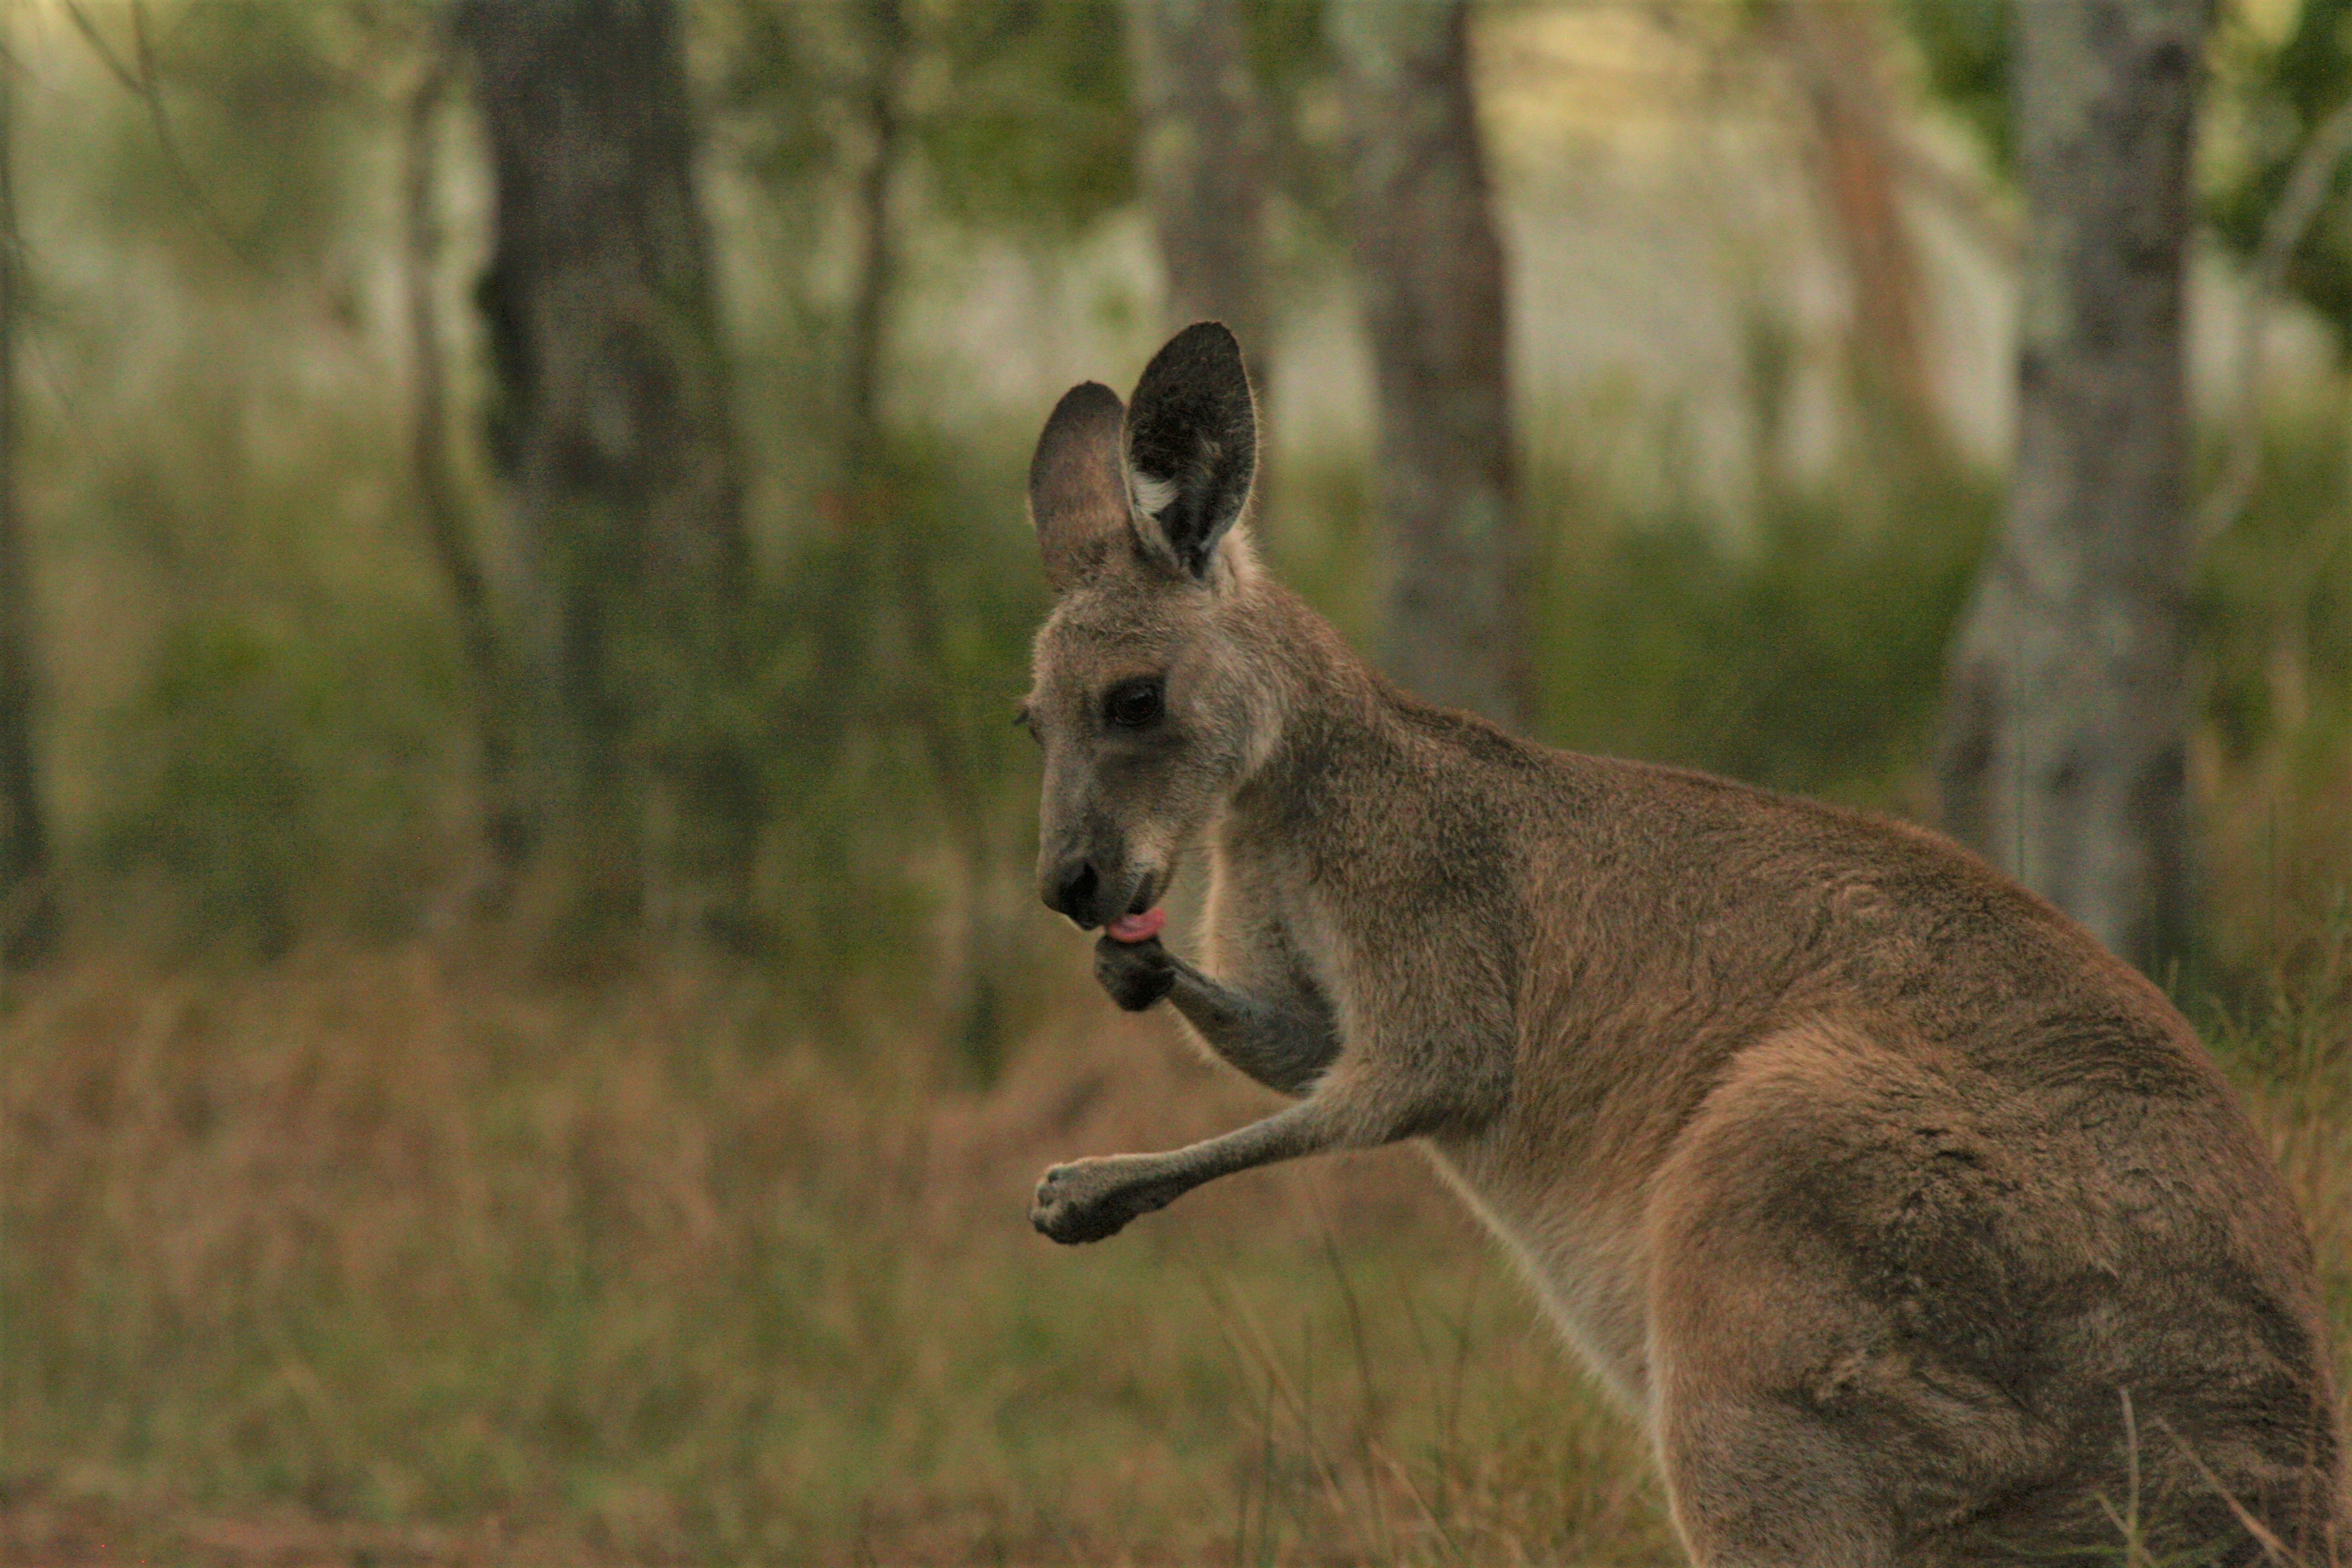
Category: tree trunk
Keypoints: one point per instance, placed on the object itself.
(889, 51)
(2062, 755)
(614, 431)
(1203, 161)
(1456, 553)
(28, 902)
(900, 560)
(509, 829)
(1838, 56)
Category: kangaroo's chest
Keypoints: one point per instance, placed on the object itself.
(1269, 924)
(1266, 920)
(1587, 1260)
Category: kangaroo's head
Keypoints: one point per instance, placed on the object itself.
(1145, 697)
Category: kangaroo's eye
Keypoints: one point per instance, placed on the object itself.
(1133, 705)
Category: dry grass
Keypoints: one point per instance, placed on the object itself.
(392, 1257)
(396, 1258)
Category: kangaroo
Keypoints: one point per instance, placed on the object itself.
(1912, 1225)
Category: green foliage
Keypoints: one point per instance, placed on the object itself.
(236, 154)
(1963, 45)
(2271, 613)
(1810, 660)
(2271, 95)
(785, 97)
(221, 812)
(276, 777)
(1803, 653)
(2288, 91)
(1290, 59)
(1289, 54)
(2271, 627)
(1801, 647)
(1019, 108)
(1032, 132)
(898, 647)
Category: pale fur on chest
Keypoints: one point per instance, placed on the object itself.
(1259, 897)
(1587, 1261)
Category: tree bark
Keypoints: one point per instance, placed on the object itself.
(2062, 755)
(889, 49)
(1203, 157)
(27, 901)
(510, 827)
(1453, 622)
(614, 430)
(894, 551)
(1838, 61)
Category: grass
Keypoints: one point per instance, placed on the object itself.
(390, 1253)
(396, 1256)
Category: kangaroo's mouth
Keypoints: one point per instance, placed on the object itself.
(1136, 928)
(1142, 920)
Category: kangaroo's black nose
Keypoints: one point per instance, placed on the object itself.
(1071, 890)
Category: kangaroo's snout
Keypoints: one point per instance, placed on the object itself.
(1092, 893)
(1072, 887)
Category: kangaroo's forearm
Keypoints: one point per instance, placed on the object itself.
(1090, 1199)
(1282, 1048)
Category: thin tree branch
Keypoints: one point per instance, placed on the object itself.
(886, 45)
(144, 83)
(2308, 186)
(28, 903)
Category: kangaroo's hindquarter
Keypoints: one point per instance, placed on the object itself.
(1858, 1172)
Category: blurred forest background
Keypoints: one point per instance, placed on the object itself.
(525, 1032)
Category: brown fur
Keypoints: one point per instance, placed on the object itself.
(1914, 1227)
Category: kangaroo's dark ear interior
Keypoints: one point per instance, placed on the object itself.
(1077, 499)
(1191, 445)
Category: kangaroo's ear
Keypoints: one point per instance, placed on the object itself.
(1191, 446)
(1077, 497)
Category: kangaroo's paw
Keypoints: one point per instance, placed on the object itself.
(1090, 1199)
(1135, 974)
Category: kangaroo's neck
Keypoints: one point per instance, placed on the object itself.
(1324, 707)
(1342, 736)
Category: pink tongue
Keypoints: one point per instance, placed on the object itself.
(1137, 927)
